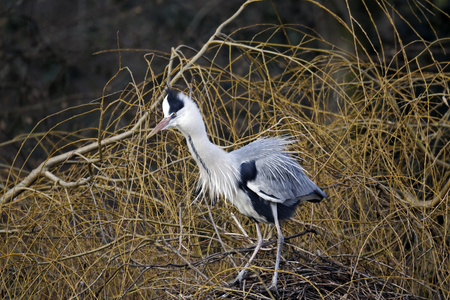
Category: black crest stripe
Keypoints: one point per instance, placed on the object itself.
(175, 103)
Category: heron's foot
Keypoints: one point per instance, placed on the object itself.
(238, 279)
(273, 288)
(273, 284)
(235, 282)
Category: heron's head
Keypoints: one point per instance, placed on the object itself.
(181, 112)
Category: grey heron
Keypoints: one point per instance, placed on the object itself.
(260, 179)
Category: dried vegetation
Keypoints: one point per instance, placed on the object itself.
(111, 213)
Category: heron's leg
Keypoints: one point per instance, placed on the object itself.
(258, 246)
(274, 207)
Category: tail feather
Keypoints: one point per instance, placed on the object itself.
(315, 197)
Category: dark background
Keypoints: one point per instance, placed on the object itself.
(47, 47)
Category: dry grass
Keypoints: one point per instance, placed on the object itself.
(125, 221)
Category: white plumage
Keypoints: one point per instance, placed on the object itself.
(260, 179)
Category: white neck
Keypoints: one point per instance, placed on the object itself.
(218, 171)
(205, 153)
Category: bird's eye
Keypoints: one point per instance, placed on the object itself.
(173, 115)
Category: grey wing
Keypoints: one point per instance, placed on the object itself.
(279, 178)
(268, 171)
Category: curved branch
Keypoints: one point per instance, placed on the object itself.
(49, 163)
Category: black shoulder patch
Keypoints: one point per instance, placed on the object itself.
(175, 103)
(248, 171)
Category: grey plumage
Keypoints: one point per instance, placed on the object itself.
(279, 174)
(260, 179)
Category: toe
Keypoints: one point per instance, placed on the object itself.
(273, 289)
